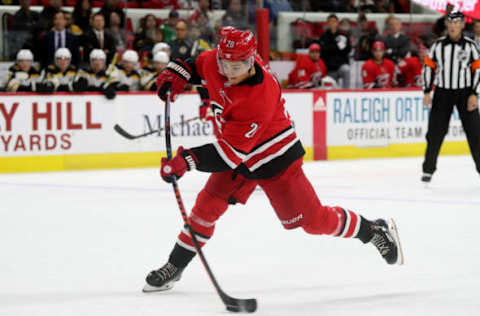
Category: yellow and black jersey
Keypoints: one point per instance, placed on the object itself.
(97, 81)
(148, 78)
(62, 80)
(127, 81)
(18, 80)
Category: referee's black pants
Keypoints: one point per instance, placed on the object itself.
(442, 107)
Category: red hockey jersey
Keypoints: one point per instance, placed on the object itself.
(255, 133)
(378, 76)
(307, 73)
(411, 71)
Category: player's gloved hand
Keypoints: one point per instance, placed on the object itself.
(80, 85)
(174, 78)
(109, 92)
(44, 87)
(205, 111)
(184, 161)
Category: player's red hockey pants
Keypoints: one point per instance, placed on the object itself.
(291, 195)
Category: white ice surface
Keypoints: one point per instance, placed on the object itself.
(81, 243)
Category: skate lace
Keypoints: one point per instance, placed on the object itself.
(167, 271)
(382, 245)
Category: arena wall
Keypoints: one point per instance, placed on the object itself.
(75, 131)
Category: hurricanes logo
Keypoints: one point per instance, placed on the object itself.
(217, 114)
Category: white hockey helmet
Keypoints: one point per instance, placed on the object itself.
(161, 57)
(63, 53)
(97, 53)
(24, 54)
(160, 47)
(130, 56)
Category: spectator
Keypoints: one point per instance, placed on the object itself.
(330, 6)
(384, 6)
(63, 75)
(168, 27)
(98, 79)
(98, 37)
(82, 13)
(129, 78)
(165, 4)
(23, 76)
(72, 28)
(351, 6)
(301, 5)
(112, 6)
(398, 44)
(201, 31)
(439, 27)
(203, 8)
(309, 70)
(366, 6)
(345, 26)
(410, 69)
(58, 38)
(181, 47)
(25, 19)
(47, 15)
(361, 29)
(378, 72)
(150, 73)
(276, 6)
(120, 36)
(235, 15)
(144, 38)
(23, 25)
(476, 32)
(336, 48)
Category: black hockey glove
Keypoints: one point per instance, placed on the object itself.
(80, 85)
(109, 92)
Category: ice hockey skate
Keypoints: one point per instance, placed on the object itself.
(385, 239)
(163, 278)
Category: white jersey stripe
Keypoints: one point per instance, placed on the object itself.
(347, 224)
(222, 154)
(199, 238)
(186, 246)
(269, 158)
(268, 144)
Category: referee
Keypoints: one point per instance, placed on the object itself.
(453, 67)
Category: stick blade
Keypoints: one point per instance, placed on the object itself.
(122, 132)
(237, 305)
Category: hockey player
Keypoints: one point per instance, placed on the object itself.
(309, 70)
(410, 69)
(149, 74)
(24, 76)
(128, 76)
(378, 72)
(63, 75)
(256, 144)
(98, 79)
(161, 47)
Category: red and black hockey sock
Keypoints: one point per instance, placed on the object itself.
(180, 256)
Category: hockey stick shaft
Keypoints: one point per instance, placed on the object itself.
(232, 304)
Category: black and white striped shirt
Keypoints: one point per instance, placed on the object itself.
(452, 65)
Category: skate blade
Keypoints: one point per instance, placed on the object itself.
(392, 226)
(149, 288)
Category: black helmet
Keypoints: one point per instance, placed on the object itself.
(456, 15)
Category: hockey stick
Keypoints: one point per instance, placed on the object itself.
(127, 135)
(232, 304)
